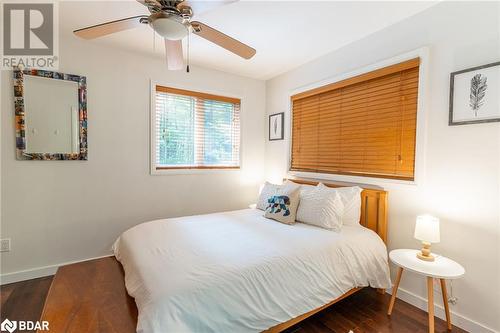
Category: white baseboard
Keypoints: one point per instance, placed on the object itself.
(456, 318)
(38, 272)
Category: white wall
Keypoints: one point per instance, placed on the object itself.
(461, 180)
(60, 211)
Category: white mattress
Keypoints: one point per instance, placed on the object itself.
(240, 272)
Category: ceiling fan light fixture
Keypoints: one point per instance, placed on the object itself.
(168, 26)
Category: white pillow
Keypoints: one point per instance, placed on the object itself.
(320, 207)
(306, 189)
(268, 190)
(351, 199)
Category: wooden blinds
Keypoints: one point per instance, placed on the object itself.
(363, 126)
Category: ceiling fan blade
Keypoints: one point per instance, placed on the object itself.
(174, 55)
(107, 28)
(223, 40)
(201, 6)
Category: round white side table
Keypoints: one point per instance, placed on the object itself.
(442, 268)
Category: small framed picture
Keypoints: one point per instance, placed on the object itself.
(474, 95)
(276, 126)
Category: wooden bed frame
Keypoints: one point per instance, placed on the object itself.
(90, 296)
(373, 216)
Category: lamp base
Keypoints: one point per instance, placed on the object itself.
(430, 257)
(425, 252)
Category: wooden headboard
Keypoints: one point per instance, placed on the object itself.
(373, 207)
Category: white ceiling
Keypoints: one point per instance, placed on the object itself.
(286, 34)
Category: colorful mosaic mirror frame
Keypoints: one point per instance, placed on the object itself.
(21, 120)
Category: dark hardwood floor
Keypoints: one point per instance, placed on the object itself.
(24, 300)
(364, 311)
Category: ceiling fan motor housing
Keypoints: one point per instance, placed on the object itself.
(171, 26)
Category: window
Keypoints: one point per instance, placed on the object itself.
(194, 130)
(362, 126)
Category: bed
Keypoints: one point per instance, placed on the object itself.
(240, 272)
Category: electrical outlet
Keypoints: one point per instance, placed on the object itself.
(5, 245)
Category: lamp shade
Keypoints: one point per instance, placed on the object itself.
(427, 229)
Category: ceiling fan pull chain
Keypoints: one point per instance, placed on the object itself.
(154, 41)
(187, 56)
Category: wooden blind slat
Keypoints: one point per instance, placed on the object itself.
(364, 125)
(189, 93)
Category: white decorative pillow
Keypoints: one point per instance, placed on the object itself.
(351, 199)
(307, 193)
(269, 190)
(321, 208)
(305, 188)
(282, 206)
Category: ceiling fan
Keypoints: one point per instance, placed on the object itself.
(171, 19)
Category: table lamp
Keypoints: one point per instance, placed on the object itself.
(427, 231)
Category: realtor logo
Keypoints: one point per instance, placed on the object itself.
(8, 326)
(29, 37)
(28, 29)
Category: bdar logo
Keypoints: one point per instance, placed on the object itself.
(8, 326)
(23, 325)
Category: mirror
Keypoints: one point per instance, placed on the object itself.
(51, 115)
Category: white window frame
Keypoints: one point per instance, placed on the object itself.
(152, 133)
(421, 131)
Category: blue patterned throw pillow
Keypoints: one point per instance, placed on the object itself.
(282, 206)
(277, 203)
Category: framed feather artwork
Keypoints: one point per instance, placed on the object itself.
(475, 95)
(276, 126)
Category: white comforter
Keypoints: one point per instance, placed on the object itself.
(240, 272)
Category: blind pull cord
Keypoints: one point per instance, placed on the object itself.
(400, 156)
(187, 56)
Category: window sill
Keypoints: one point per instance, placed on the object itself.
(192, 171)
(350, 178)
